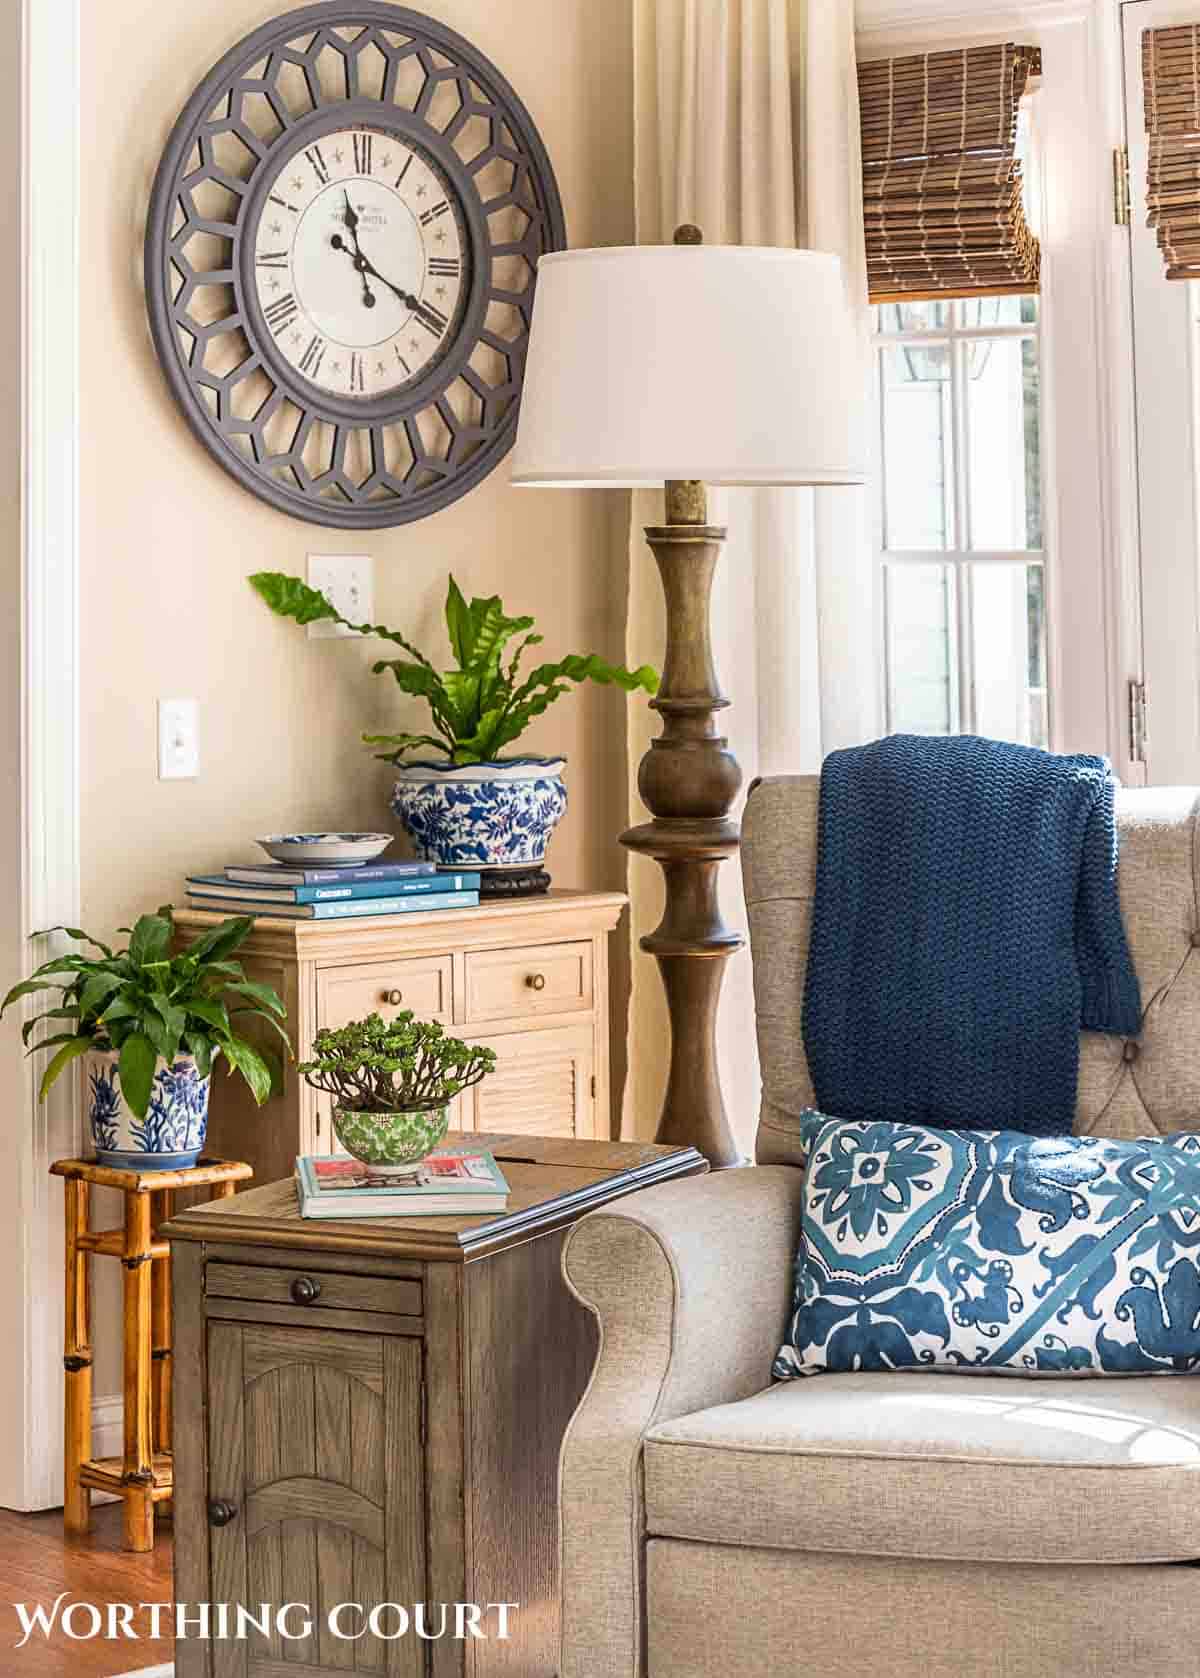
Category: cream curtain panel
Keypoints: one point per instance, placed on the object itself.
(746, 123)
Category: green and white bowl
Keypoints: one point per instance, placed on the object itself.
(390, 1138)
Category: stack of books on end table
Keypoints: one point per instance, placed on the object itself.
(322, 894)
(450, 1182)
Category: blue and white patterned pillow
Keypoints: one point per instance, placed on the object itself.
(991, 1250)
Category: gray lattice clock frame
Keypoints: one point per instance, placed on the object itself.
(354, 462)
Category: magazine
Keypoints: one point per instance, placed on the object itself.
(445, 1183)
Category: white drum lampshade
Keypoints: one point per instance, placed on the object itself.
(686, 365)
(728, 364)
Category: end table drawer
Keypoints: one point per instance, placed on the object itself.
(537, 979)
(326, 1290)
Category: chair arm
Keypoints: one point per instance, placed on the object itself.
(691, 1285)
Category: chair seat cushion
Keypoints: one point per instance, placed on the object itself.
(985, 1468)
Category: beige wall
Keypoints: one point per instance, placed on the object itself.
(168, 538)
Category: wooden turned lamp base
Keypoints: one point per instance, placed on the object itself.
(142, 1476)
(688, 780)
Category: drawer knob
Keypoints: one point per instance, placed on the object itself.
(395, 997)
(305, 1289)
(536, 981)
(220, 1513)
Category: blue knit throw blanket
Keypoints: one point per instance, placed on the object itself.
(966, 926)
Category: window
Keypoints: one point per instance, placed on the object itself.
(960, 519)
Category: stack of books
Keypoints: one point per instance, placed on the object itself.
(450, 1182)
(324, 894)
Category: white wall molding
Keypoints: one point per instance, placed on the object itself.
(885, 26)
(49, 776)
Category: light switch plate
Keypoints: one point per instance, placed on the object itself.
(347, 582)
(178, 740)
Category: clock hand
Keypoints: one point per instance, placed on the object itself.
(358, 260)
(351, 221)
(365, 265)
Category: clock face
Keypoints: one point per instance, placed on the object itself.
(362, 262)
(341, 255)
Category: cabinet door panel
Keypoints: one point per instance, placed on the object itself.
(542, 1083)
(315, 1440)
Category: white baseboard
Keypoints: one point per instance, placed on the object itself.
(108, 1416)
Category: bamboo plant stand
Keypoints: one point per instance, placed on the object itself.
(142, 1475)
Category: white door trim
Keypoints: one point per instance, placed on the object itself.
(1166, 350)
(31, 1462)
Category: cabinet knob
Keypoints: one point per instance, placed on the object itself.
(394, 997)
(536, 981)
(305, 1289)
(221, 1513)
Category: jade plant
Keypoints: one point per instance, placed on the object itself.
(483, 704)
(145, 1002)
(401, 1065)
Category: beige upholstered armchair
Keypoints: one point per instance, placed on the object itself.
(913, 1525)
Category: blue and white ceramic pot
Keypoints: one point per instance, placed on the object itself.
(171, 1135)
(483, 815)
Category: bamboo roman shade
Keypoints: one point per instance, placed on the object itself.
(1171, 78)
(942, 187)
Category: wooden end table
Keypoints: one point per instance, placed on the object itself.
(142, 1475)
(370, 1413)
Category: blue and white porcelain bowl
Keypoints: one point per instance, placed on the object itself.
(325, 850)
(483, 815)
(171, 1135)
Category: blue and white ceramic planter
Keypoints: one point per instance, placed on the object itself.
(483, 815)
(171, 1135)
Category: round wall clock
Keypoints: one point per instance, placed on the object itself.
(340, 262)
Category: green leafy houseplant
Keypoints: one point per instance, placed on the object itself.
(401, 1065)
(391, 1081)
(144, 1002)
(483, 704)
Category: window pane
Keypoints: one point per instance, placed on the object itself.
(918, 497)
(1008, 624)
(922, 678)
(981, 312)
(912, 317)
(1004, 452)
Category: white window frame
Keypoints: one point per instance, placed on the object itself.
(960, 556)
(1089, 508)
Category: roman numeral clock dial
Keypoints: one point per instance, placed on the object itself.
(341, 256)
(361, 263)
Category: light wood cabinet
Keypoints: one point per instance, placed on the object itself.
(528, 977)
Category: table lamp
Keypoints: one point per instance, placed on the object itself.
(685, 365)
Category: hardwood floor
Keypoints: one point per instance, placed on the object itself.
(37, 1563)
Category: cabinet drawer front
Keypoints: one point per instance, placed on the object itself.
(325, 1290)
(351, 993)
(537, 979)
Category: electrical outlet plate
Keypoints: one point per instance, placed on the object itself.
(178, 740)
(347, 582)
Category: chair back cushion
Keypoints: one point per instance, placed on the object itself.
(1127, 1088)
